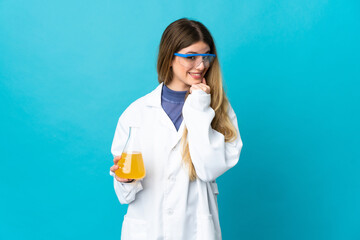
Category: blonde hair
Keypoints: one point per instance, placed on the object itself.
(181, 34)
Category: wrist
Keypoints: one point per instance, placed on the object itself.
(130, 181)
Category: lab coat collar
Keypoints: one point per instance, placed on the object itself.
(154, 97)
(154, 100)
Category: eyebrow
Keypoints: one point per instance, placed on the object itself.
(196, 52)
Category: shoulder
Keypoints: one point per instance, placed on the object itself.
(151, 99)
(136, 108)
(138, 103)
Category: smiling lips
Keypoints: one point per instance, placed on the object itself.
(196, 76)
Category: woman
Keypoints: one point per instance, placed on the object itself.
(189, 137)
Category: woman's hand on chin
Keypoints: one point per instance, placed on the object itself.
(200, 86)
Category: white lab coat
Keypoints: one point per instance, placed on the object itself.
(166, 204)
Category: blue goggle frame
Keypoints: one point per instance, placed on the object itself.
(194, 54)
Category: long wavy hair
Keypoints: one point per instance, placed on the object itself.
(181, 34)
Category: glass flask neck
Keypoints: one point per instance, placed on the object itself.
(133, 131)
(133, 141)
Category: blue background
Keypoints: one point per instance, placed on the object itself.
(69, 68)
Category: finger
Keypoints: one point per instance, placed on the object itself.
(204, 87)
(193, 87)
(123, 180)
(119, 179)
(114, 168)
(116, 159)
(207, 89)
(203, 81)
(201, 85)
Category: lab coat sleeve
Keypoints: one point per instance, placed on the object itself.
(125, 192)
(210, 154)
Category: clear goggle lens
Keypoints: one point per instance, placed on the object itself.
(194, 60)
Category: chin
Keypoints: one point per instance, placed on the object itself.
(194, 81)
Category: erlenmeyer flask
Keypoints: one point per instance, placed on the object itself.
(131, 164)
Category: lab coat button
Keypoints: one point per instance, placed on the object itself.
(170, 211)
(172, 179)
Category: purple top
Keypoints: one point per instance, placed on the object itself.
(172, 102)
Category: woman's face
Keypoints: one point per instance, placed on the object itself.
(184, 77)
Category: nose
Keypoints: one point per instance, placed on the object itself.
(200, 66)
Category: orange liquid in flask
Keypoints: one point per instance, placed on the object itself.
(131, 166)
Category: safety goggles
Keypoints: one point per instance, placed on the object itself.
(194, 60)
